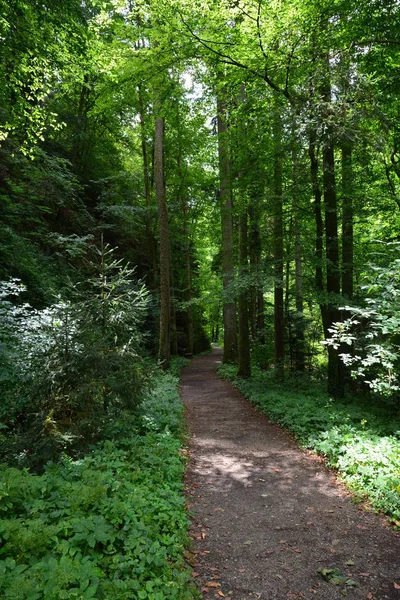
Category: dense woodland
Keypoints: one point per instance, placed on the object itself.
(175, 174)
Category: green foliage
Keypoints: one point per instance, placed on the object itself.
(111, 525)
(66, 366)
(41, 219)
(373, 329)
(359, 437)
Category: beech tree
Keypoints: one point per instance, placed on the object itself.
(243, 156)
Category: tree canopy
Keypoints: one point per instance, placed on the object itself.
(241, 156)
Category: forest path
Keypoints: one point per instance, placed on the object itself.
(268, 515)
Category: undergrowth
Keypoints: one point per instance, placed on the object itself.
(359, 437)
(111, 525)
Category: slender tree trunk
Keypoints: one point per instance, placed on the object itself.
(299, 320)
(257, 294)
(229, 308)
(279, 324)
(188, 281)
(244, 369)
(164, 342)
(347, 246)
(243, 312)
(290, 333)
(347, 222)
(187, 259)
(335, 372)
(319, 232)
(173, 329)
(151, 241)
(319, 227)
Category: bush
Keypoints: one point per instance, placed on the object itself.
(372, 330)
(111, 525)
(64, 368)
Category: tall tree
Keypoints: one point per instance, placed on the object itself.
(279, 321)
(225, 195)
(335, 373)
(164, 351)
(243, 308)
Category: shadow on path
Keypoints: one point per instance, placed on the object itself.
(268, 515)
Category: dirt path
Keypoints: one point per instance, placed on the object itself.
(267, 515)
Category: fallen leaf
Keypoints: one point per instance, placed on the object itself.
(328, 573)
(369, 596)
(279, 576)
(221, 594)
(351, 583)
(349, 563)
(282, 541)
(396, 586)
(213, 584)
(338, 580)
(242, 570)
(247, 542)
(195, 574)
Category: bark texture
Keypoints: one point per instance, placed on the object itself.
(229, 307)
(164, 340)
(279, 322)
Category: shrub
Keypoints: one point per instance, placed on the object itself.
(64, 367)
(111, 525)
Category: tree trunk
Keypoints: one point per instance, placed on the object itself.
(243, 312)
(244, 369)
(173, 329)
(229, 308)
(279, 323)
(299, 320)
(164, 341)
(186, 241)
(335, 371)
(151, 241)
(257, 294)
(319, 227)
(347, 222)
(188, 281)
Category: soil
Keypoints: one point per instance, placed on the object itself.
(266, 515)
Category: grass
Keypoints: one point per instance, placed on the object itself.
(111, 525)
(359, 437)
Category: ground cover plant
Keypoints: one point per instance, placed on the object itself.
(359, 437)
(110, 525)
